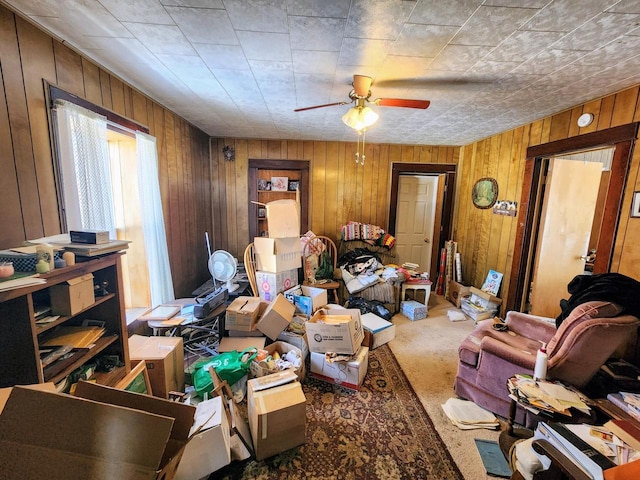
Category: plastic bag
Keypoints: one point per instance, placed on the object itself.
(230, 366)
(325, 267)
(370, 306)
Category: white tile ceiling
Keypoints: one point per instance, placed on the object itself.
(239, 68)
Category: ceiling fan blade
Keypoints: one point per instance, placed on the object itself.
(401, 102)
(361, 85)
(320, 106)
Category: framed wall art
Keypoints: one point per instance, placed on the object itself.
(485, 192)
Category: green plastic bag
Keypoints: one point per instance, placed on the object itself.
(230, 366)
(325, 267)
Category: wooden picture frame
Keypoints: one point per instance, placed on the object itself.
(635, 205)
(137, 380)
(485, 193)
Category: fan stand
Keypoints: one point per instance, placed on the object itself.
(231, 287)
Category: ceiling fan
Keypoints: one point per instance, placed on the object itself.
(361, 94)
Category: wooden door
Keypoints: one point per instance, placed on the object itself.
(565, 226)
(415, 219)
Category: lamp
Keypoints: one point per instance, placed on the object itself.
(359, 118)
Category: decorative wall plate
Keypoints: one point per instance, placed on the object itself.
(485, 192)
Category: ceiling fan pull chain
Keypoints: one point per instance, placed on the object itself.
(364, 131)
(358, 148)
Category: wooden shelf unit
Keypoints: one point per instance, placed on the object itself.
(19, 342)
(294, 170)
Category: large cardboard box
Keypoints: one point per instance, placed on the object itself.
(335, 330)
(457, 292)
(271, 284)
(277, 254)
(307, 299)
(283, 218)
(72, 296)
(90, 436)
(380, 331)
(209, 447)
(164, 357)
(277, 417)
(276, 317)
(242, 314)
(349, 374)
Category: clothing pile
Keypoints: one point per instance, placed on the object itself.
(359, 269)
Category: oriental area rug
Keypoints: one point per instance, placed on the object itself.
(381, 431)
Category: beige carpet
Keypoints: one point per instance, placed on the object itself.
(427, 351)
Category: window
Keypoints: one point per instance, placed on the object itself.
(109, 181)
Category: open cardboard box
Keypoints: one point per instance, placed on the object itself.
(101, 433)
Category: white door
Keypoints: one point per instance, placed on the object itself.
(414, 219)
(565, 227)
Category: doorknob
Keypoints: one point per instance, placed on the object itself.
(427, 240)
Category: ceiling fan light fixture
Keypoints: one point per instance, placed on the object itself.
(360, 117)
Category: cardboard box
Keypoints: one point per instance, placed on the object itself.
(257, 370)
(276, 317)
(307, 299)
(94, 237)
(349, 374)
(277, 418)
(457, 292)
(164, 357)
(483, 299)
(277, 254)
(336, 330)
(90, 436)
(182, 417)
(72, 296)
(271, 284)
(380, 331)
(209, 446)
(283, 218)
(413, 310)
(295, 339)
(242, 314)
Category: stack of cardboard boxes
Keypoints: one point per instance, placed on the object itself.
(335, 339)
(279, 256)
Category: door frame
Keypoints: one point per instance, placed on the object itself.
(442, 222)
(622, 139)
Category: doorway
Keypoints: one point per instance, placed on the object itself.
(415, 215)
(445, 176)
(620, 139)
(568, 226)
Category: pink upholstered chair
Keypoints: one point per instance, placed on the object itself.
(577, 349)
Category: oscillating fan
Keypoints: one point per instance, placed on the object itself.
(223, 267)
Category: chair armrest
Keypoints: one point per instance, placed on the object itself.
(506, 353)
(531, 326)
(560, 464)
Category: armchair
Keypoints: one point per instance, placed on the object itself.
(576, 350)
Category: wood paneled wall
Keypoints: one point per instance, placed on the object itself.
(486, 240)
(29, 200)
(341, 191)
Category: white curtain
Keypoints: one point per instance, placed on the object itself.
(153, 220)
(85, 168)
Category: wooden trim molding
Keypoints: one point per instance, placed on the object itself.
(622, 138)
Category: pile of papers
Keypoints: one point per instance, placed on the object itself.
(545, 397)
(467, 415)
(77, 337)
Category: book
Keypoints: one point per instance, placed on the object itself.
(576, 449)
(493, 459)
(628, 432)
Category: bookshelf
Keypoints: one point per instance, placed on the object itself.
(261, 174)
(21, 335)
